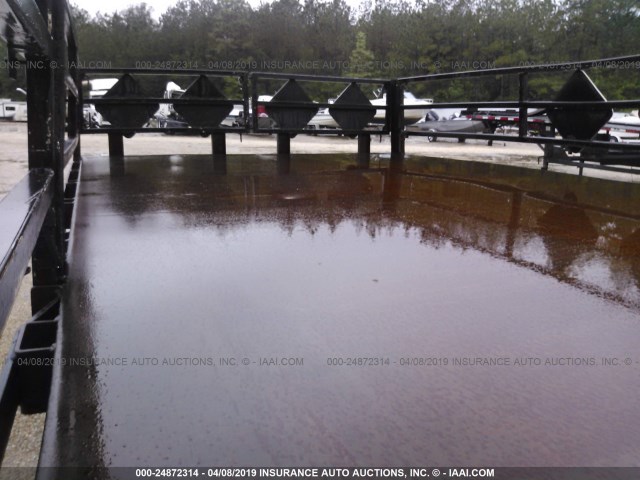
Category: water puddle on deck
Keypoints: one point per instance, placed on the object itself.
(466, 315)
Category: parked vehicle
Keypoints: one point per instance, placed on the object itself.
(446, 120)
(13, 111)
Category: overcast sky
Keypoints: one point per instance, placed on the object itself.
(159, 6)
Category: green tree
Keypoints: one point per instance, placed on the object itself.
(396, 37)
(362, 60)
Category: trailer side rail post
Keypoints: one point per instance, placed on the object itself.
(395, 116)
(364, 150)
(46, 150)
(522, 98)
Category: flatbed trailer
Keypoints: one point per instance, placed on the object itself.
(540, 123)
(382, 312)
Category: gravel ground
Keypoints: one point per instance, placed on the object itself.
(26, 436)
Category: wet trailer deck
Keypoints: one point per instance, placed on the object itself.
(191, 283)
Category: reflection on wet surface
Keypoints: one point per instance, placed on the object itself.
(179, 258)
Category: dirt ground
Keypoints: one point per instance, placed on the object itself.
(25, 441)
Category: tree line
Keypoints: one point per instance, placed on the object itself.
(380, 38)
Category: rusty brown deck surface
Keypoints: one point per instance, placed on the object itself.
(175, 261)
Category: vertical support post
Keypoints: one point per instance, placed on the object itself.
(76, 103)
(47, 258)
(395, 117)
(254, 104)
(219, 146)
(46, 122)
(219, 143)
(39, 101)
(284, 144)
(364, 149)
(246, 99)
(522, 98)
(548, 148)
(74, 114)
(60, 54)
(77, 156)
(116, 145)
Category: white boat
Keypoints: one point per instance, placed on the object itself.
(625, 120)
(623, 127)
(323, 118)
(411, 116)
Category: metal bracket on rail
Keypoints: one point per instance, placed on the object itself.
(25, 380)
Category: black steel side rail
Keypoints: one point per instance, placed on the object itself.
(116, 133)
(127, 131)
(22, 213)
(70, 147)
(71, 86)
(29, 16)
(251, 122)
(324, 131)
(582, 163)
(153, 100)
(33, 214)
(522, 105)
(285, 135)
(332, 106)
(9, 400)
(25, 379)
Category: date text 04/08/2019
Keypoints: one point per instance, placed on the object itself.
(223, 473)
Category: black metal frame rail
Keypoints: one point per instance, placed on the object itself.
(37, 212)
(249, 84)
(284, 135)
(116, 134)
(522, 104)
(394, 108)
